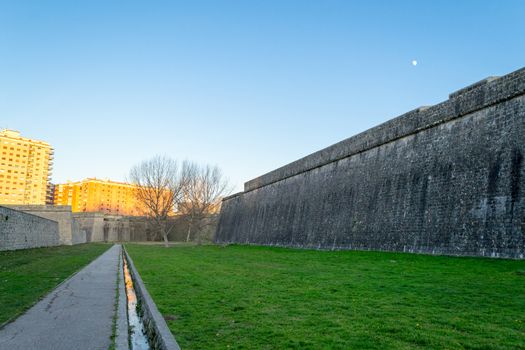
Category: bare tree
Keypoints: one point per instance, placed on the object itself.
(203, 190)
(160, 183)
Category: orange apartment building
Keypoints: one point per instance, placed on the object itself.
(95, 195)
(25, 169)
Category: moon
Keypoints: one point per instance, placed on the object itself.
(414, 63)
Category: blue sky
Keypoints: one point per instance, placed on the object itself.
(247, 85)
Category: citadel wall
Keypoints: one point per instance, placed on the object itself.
(444, 179)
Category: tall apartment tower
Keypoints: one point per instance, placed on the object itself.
(25, 169)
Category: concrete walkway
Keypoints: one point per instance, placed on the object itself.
(78, 314)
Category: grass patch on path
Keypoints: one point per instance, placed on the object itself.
(246, 297)
(28, 275)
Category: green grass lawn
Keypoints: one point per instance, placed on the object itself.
(247, 297)
(28, 275)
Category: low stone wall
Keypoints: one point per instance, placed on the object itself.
(205, 234)
(69, 230)
(92, 224)
(142, 229)
(101, 227)
(19, 230)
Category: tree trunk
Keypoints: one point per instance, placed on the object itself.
(189, 232)
(199, 242)
(165, 236)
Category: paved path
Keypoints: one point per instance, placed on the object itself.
(77, 315)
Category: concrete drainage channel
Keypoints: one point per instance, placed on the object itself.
(137, 333)
(145, 326)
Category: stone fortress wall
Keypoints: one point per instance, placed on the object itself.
(115, 228)
(443, 179)
(69, 229)
(76, 228)
(20, 230)
(101, 227)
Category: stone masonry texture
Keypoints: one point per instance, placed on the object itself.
(19, 230)
(444, 179)
(68, 229)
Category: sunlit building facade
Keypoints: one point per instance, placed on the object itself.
(95, 195)
(25, 169)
